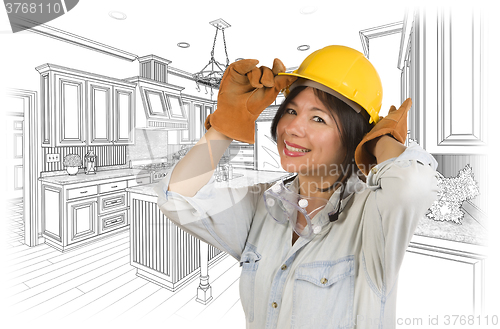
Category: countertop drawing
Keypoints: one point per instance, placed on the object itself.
(83, 178)
(470, 231)
(250, 177)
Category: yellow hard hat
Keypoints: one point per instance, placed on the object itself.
(348, 73)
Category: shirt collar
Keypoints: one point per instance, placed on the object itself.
(354, 185)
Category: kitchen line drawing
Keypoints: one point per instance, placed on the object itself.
(94, 247)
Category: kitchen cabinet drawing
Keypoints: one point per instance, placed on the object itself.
(75, 209)
(80, 108)
(94, 247)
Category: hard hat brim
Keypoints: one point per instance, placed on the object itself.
(311, 83)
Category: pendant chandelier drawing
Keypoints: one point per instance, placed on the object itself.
(211, 75)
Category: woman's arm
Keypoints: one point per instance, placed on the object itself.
(218, 215)
(197, 167)
(402, 189)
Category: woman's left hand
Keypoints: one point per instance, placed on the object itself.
(395, 125)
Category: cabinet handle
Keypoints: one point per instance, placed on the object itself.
(139, 182)
(115, 186)
(113, 202)
(83, 192)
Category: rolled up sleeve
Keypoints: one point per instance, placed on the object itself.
(219, 216)
(403, 188)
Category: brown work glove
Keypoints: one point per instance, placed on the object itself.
(245, 91)
(393, 124)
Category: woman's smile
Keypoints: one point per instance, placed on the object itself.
(294, 150)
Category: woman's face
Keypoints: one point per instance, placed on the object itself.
(309, 138)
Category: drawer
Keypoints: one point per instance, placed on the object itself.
(242, 152)
(242, 158)
(112, 201)
(113, 221)
(115, 186)
(82, 192)
(139, 181)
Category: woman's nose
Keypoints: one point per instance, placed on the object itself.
(295, 127)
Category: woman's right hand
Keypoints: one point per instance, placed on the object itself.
(244, 92)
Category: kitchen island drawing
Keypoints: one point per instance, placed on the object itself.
(94, 247)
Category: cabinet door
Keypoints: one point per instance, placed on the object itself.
(70, 108)
(445, 81)
(124, 115)
(47, 118)
(82, 219)
(185, 134)
(196, 122)
(52, 212)
(99, 112)
(436, 284)
(208, 110)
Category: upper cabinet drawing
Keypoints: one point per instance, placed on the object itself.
(80, 108)
(441, 61)
(100, 112)
(124, 115)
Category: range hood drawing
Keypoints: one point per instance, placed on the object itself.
(160, 104)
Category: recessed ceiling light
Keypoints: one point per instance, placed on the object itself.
(183, 45)
(307, 10)
(117, 15)
(303, 47)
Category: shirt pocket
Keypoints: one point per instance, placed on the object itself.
(323, 294)
(249, 262)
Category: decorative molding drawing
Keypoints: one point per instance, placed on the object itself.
(407, 29)
(65, 36)
(377, 32)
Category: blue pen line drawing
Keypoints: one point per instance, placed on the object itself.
(122, 100)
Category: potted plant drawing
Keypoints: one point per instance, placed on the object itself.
(72, 162)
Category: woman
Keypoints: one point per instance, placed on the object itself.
(324, 251)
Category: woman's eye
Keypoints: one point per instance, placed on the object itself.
(291, 111)
(318, 119)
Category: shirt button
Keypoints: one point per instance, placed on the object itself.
(274, 304)
(324, 280)
(374, 170)
(283, 267)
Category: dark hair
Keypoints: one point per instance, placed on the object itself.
(353, 127)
